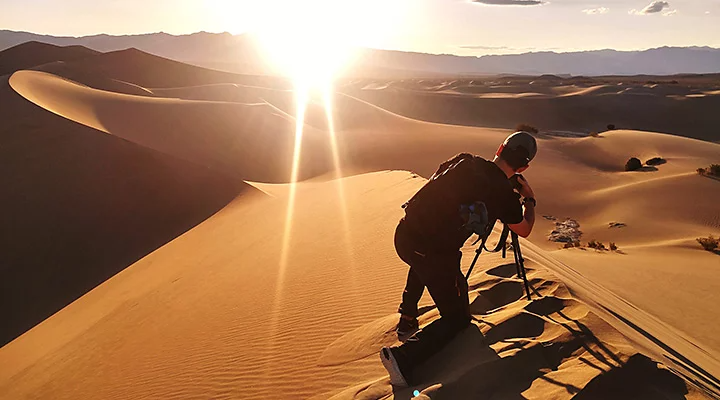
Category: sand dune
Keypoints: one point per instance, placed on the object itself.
(259, 341)
(31, 54)
(151, 71)
(584, 105)
(79, 206)
(212, 134)
(245, 305)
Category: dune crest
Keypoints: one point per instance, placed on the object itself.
(254, 141)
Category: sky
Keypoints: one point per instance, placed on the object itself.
(465, 27)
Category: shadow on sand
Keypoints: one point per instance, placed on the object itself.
(468, 368)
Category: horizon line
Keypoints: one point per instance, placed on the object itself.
(374, 48)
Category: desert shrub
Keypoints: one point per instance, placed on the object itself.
(709, 243)
(655, 161)
(578, 244)
(611, 127)
(568, 245)
(592, 244)
(633, 164)
(701, 171)
(601, 246)
(527, 128)
(715, 169)
(613, 246)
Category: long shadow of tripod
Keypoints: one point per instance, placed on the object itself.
(502, 245)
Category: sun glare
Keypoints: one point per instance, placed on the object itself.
(312, 40)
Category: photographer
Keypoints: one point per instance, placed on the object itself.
(434, 229)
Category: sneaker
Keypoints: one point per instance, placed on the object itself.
(406, 327)
(393, 368)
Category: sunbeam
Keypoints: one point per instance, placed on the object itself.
(327, 95)
(301, 100)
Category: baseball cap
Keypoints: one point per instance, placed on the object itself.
(520, 149)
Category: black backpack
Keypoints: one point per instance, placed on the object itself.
(448, 209)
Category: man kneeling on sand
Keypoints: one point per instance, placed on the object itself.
(431, 234)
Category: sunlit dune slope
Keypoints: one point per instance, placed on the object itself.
(348, 113)
(252, 141)
(96, 81)
(662, 269)
(78, 206)
(218, 313)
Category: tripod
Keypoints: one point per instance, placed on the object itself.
(502, 245)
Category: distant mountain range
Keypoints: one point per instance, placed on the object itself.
(240, 53)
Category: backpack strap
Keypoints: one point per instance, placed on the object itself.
(444, 167)
(450, 163)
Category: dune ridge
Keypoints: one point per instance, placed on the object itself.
(32, 54)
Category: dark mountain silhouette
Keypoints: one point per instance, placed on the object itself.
(240, 53)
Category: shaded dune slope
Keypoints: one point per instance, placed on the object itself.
(584, 112)
(79, 206)
(31, 54)
(150, 71)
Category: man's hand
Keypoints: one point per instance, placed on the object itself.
(525, 227)
(525, 189)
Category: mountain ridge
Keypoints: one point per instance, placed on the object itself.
(242, 54)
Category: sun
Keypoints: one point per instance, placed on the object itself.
(313, 40)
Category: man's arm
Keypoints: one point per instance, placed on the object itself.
(525, 227)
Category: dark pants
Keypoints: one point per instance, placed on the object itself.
(440, 272)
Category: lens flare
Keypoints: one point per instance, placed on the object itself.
(327, 94)
(301, 101)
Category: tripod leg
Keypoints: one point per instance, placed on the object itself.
(477, 254)
(520, 263)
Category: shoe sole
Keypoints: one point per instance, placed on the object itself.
(390, 364)
(403, 337)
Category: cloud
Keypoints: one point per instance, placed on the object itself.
(510, 2)
(595, 11)
(670, 13)
(652, 8)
